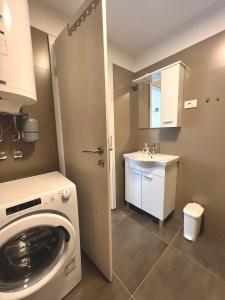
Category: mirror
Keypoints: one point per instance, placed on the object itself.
(149, 106)
(155, 105)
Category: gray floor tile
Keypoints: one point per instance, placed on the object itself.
(208, 250)
(135, 250)
(95, 287)
(168, 231)
(119, 214)
(175, 277)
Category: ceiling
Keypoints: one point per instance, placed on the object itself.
(136, 25)
(66, 7)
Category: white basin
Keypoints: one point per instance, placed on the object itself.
(157, 159)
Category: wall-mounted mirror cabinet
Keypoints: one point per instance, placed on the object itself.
(160, 97)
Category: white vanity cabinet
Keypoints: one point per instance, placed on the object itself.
(151, 188)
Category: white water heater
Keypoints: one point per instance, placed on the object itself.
(17, 82)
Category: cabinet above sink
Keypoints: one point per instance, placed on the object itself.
(160, 97)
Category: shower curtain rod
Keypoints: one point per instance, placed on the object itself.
(84, 12)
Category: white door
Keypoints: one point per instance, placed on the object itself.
(133, 187)
(153, 194)
(81, 60)
(33, 251)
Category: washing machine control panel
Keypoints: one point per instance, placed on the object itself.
(23, 206)
(46, 201)
(65, 194)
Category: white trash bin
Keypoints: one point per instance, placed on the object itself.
(192, 220)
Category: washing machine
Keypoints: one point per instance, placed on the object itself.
(39, 238)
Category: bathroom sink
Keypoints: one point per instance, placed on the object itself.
(157, 159)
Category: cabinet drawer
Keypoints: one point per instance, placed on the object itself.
(133, 186)
(153, 194)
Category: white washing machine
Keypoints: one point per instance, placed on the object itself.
(39, 238)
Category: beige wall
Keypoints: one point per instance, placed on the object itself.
(124, 116)
(41, 157)
(201, 140)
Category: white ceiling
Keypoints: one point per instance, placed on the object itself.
(134, 25)
(137, 26)
(67, 7)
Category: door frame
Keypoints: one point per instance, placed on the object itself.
(111, 137)
(56, 100)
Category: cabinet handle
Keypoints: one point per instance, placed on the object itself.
(136, 173)
(148, 177)
(167, 121)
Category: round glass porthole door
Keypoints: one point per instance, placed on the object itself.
(26, 257)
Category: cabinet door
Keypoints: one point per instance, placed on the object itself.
(133, 186)
(153, 194)
(171, 95)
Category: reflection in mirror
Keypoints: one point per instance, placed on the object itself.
(149, 103)
(155, 97)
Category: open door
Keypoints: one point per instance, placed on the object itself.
(81, 60)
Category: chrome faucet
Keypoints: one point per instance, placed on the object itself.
(153, 149)
(149, 149)
(146, 148)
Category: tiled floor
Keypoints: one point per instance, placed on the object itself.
(149, 263)
(95, 287)
(135, 251)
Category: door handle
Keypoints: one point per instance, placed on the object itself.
(99, 150)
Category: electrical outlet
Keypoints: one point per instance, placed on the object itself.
(190, 104)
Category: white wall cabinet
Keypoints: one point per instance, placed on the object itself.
(152, 189)
(160, 97)
(172, 82)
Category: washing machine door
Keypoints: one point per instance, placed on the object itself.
(33, 250)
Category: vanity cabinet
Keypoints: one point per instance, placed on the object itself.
(151, 188)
